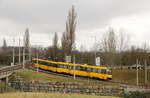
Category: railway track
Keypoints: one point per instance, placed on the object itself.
(77, 77)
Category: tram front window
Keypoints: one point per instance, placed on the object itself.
(109, 71)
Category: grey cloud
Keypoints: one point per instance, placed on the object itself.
(97, 13)
(37, 13)
(91, 13)
(48, 16)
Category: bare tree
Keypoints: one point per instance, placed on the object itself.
(64, 44)
(3, 54)
(145, 47)
(68, 37)
(70, 29)
(123, 41)
(55, 44)
(4, 47)
(111, 41)
(27, 42)
(108, 45)
(123, 44)
(55, 41)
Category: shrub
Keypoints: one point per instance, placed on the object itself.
(135, 94)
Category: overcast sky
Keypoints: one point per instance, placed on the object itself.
(44, 17)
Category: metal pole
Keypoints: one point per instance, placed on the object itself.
(95, 50)
(137, 77)
(23, 57)
(19, 52)
(74, 68)
(145, 72)
(37, 61)
(29, 53)
(13, 52)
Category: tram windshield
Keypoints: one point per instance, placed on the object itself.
(109, 71)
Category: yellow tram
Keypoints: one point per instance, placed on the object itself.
(104, 73)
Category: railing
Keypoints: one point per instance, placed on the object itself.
(5, 71)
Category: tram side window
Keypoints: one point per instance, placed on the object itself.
(77, 67)
(85, 69)
(53, 65)
(34, 61)
(103, 71)
(49, 64)
(39, 62)
(61, 66)
(99, 70)
(44, 63)
(91, 69)
(67, 66)
(82, 68)
(94, 70)
(64, 66)
(71, 67)
(88, 69)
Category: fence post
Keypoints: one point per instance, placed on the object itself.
(137, 73)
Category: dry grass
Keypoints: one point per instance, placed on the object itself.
(48, 95)
(3, 66)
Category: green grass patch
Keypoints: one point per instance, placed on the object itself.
(125, 76)
(129, 76)
(28, 75)
(48, 95)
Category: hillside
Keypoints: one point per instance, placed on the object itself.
(124, 76)
(28, 75)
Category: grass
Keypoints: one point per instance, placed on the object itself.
(125, 76)
(30, 75)
(3, 66)
(129, 76)
(48, 95)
